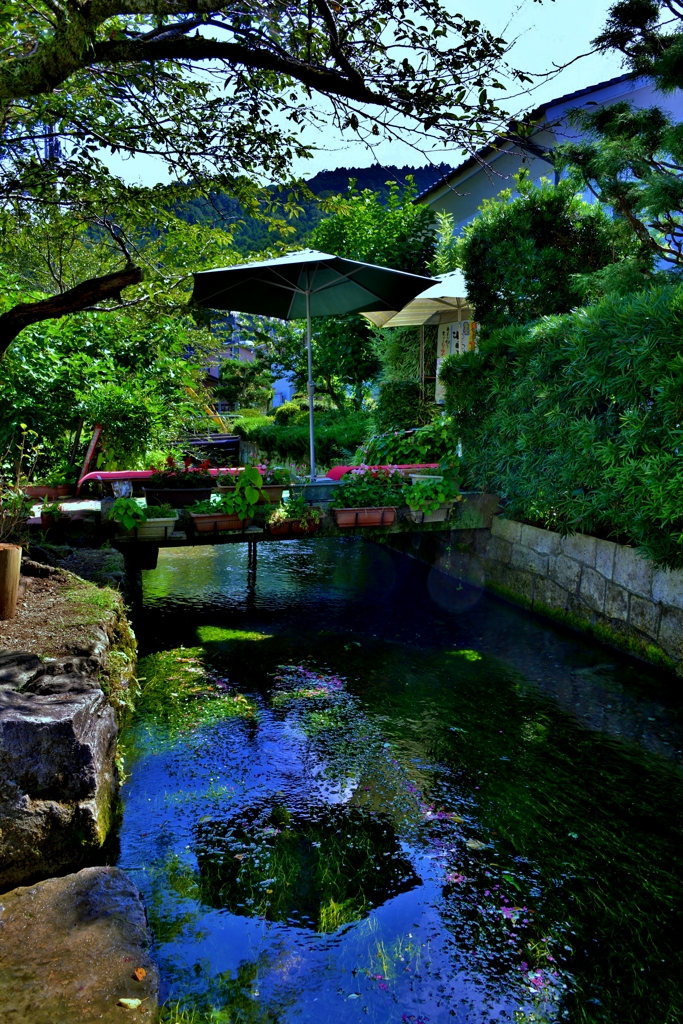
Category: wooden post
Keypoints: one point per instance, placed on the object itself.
(10, 567)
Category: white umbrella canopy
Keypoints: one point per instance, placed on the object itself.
(441, 303)
(305, 284)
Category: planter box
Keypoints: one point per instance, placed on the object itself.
(176, 497)
(439, 515)
(51, 493)
(271, 494)
(153, 529)
(365, 516)
(216, 522)
(291, 528)
(424, 476)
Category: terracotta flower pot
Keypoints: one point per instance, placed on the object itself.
(47, 522)
(281, 529)
(291, 528)
(384, 516)
(302, 529)
(176, 497)
(216, 522)
(51, 493)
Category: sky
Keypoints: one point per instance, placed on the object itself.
(546, 35)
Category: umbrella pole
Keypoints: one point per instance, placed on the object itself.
(311, 385)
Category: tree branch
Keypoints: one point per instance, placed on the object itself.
(73, 48)
(198, 48)
(81, 297)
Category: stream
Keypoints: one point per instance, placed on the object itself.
(357, 790)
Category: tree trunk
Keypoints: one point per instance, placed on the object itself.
(10, 565)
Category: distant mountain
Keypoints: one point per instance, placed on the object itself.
(375, 178)
(253, 236)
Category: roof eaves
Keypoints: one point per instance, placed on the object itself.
(486, 151)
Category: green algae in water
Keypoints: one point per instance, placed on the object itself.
(556, 853)
(179, 694)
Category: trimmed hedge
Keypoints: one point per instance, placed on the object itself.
(576, 421)
(337, 436)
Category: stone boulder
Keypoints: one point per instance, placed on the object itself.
(58, 776)
(70, 948)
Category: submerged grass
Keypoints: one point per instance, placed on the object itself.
(179, 694)
(533, 814)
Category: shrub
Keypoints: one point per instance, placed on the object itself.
(337, 435)
(575, 421)
(370, 488)
(430, 443)
(399, 406)
(520, 255)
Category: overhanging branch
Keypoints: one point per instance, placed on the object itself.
(83, 296)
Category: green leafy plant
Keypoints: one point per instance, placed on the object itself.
(128, 513)
(519, 255)
(426, 444)
(241, 502)
(428, 495)
(53, 509)
(164, 511)
(575, 422)
(182, 476)
(295, 510)
(270, 475)
(370, 488)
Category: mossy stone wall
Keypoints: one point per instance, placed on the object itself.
(599, 587)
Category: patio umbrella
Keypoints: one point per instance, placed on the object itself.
(441, 303)
(303, 285)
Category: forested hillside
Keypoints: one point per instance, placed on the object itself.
(252, 235)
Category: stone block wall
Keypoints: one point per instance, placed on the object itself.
(594, 585)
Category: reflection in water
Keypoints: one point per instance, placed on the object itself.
(376, 795)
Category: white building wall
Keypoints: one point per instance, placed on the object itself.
(475, 181)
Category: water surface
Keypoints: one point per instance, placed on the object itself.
(359, 790)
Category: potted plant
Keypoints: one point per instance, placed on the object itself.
(156, 522)
(294, 518)
(51, 513)
(276, 479)
(58, 483)
(368, 497)
(430, 498)
(233, 509)
(179, 485)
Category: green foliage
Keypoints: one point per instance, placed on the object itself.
(128, 512)
(399, 406)
(642, 31)
(337, 435)
(126, 371)
(244, 383)
(576, 421)
(430, 443)
(430, 494)
(295, 509)
(174, 475)
(370, 488)
(399, 233)
(519, 255)
(241, 501)
(633, 160)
